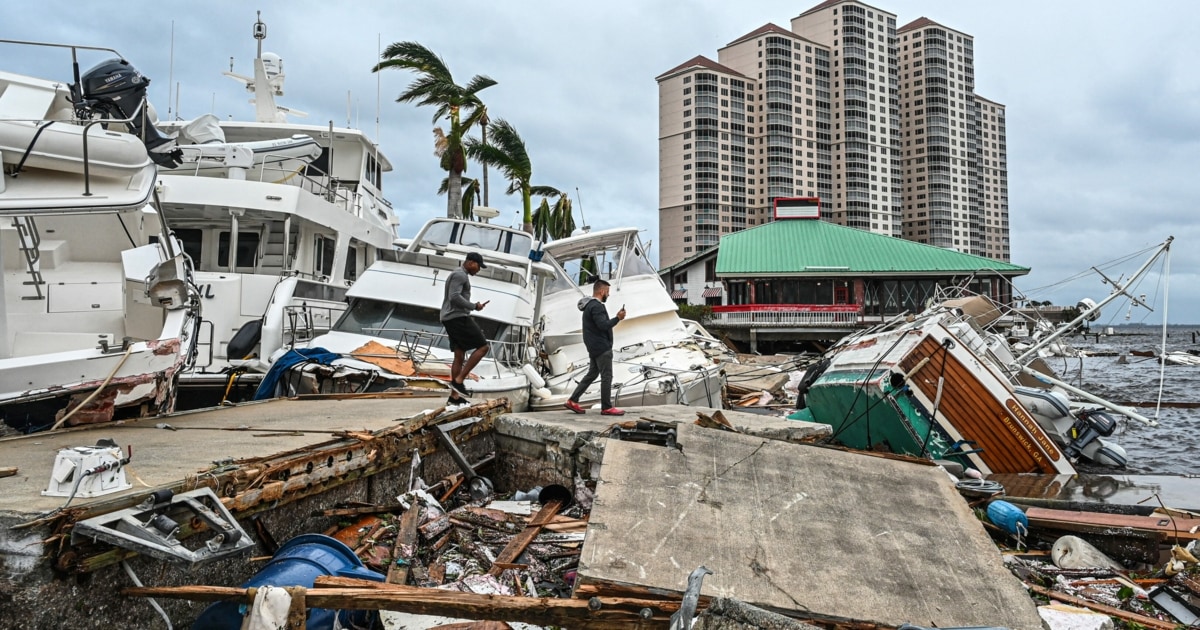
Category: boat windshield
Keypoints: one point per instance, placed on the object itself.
(610, 261)
(405, 322)
(478, 236)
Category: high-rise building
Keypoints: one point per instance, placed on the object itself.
(843, 107)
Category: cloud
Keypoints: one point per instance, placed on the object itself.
(1103, 115)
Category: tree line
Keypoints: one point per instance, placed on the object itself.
(498, 144)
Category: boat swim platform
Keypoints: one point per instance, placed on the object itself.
(822, 532)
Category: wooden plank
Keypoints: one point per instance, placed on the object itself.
(519, 542)
(405, 548)
(572, 613)
(1177, 528)
(8, 471)
(1149, 622)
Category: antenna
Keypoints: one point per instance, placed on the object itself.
(347, 108)
(579, 197)
(171, 71)
(378, 85)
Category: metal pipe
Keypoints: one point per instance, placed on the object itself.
(1117, 292)
(1125, 411)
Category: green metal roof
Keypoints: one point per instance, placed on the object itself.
(809, 246)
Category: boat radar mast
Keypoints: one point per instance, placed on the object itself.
(267, 82)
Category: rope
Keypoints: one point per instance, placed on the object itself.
(98, 389)
(29, 149)
(982, 486)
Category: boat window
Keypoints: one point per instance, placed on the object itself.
(193, 244)
(309, 290)
(479, 236)
(247, 246)
(351, 271)
(405, 323)
(324, 256)
(635, 263)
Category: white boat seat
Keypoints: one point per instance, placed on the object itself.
(554, 342)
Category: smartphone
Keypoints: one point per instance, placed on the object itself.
(622, 307)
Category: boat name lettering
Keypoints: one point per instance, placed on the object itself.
(206, 291)
(1033, 429)
(1022, 437)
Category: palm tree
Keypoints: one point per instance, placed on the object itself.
(553, 222)
(507, 153)
(460, 105)
(470, 194)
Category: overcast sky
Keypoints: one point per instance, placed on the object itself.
(1103, 102)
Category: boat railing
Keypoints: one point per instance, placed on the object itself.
(419, 345)
(304, 322)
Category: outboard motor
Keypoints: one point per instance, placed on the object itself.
(115, 89)
(1090, 425)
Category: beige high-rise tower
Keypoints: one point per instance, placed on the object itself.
(829, 109)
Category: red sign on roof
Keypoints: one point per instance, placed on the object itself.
(797, 208)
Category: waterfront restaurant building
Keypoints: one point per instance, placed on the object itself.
(807, 279)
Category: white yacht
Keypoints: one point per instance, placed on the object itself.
(658, 358)
(99, 315)
(279, 218)
(391, 336)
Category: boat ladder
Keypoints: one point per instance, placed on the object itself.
(30, 240)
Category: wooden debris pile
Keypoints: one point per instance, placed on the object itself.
(1138, 566)
(485, 546)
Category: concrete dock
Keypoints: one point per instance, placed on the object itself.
(783, 524)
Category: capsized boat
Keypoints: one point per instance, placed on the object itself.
(945, 384)
(658, 358)
(99, 311)
(919, 388)
(390, 335)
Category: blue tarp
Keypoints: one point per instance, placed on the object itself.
(294, 357)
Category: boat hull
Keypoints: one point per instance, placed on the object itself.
(921, 391)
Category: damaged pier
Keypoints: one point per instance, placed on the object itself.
(816, 534)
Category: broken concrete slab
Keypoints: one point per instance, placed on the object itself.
(797, 528)
(555, 446)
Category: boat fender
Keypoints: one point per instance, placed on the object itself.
(1072, 552)
(1008, 517)
(542, 392)
(535, 379)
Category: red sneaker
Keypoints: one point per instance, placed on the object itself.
(612, 411)
(574, 406)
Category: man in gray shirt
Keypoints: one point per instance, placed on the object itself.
(464, 334)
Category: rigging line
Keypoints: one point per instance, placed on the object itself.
(861, 388)
(127, 234)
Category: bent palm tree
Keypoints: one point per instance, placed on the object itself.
(460, 105)
(470, 195)
(507, 153)
(554, 222)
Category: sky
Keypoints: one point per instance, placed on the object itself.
(1102, 97)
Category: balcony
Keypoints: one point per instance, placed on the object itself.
(786, 315)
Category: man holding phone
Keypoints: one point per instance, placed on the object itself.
(464, 334)
(598, 337)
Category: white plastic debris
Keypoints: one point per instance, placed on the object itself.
(1063, 617)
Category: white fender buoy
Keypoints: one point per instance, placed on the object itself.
(542, 392)
(535, 379)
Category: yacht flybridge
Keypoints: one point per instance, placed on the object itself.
(279, 219)
(99, 312)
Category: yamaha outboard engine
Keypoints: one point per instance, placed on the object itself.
(1090, 425)
(115, 89)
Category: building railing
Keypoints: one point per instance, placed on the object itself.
(786, 315)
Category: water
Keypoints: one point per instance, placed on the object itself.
(1174, 446)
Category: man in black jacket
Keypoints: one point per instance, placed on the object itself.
(598, 337)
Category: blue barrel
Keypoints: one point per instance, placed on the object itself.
(297, 563)
(1006, 516)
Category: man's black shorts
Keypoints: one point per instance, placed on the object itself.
(464, 333)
